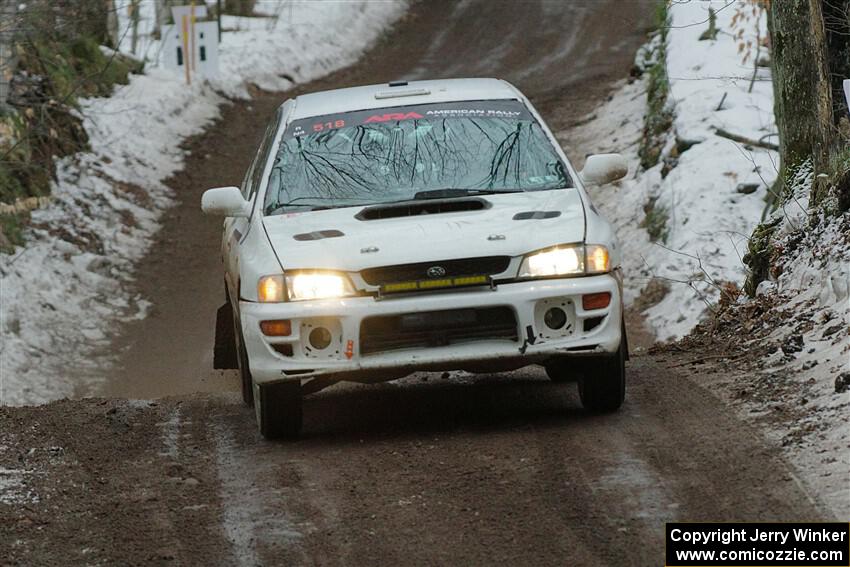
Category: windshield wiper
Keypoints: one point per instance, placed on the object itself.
(284, 206)
(312, 206)
(452, 193)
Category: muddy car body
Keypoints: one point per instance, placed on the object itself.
(431, 225)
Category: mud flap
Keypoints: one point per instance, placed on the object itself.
(224, 352)
(626, 340)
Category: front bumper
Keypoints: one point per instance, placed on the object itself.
(274, 359)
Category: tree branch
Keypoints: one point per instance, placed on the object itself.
(744, 140)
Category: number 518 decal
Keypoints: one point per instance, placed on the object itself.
(321, 126)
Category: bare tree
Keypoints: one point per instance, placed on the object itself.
(810, 51)
(134, 25)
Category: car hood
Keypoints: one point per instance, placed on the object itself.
(312, 239)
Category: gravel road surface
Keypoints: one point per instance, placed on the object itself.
(428, 470)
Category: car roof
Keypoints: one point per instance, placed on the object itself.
(402, 93)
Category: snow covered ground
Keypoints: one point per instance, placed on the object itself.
(808, 369)
(62, 293)
(708, 220)
(792, 393)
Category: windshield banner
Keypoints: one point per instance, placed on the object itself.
(503, 109)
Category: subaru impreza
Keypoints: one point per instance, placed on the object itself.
(424, 226)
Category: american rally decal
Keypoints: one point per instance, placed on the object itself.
(504, 109)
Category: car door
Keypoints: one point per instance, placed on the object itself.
(236, 229)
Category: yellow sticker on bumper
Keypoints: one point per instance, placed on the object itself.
(435, 284)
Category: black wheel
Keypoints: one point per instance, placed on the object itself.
(242, 363)
(564, 369)
(603, 388)
(278, 409)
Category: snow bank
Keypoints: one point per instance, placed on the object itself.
(805, 322)
(709, 220)
(812, 297)
(61, 294)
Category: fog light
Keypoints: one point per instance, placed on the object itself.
(555, 318)
(593, 301)
(320, 338)
(279, 328)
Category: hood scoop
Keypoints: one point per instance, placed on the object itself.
(537, 215)
(415, 208)
(318, 235)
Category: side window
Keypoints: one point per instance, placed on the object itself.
(246, 182)
(254, 177)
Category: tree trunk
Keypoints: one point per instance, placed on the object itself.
(810, 52)
(111, 24)
(8, 59)
(802, 97)
(134, 25)
(836, 17)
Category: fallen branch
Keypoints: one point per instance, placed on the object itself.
(744, 140)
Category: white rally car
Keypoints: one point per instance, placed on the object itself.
(422, 226)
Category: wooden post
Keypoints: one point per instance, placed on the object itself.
(186, 59)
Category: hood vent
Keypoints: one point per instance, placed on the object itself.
(411, 209)
(318, 235)
(537, 215)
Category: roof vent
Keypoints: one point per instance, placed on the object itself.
(401, 93)
(398, 83)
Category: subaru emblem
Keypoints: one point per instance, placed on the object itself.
(436, 272)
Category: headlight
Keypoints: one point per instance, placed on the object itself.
(553, 262)
(565, 261)
(317, 285)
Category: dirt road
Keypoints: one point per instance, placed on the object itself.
(425, 471)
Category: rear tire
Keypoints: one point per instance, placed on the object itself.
(602, 389)
(278, 409)
(242, 363)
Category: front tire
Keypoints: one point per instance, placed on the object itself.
(603, 388)
(564, 369)
(278, 409)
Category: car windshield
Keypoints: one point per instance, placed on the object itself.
(412, 152)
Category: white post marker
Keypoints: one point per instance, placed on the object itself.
(190, 45)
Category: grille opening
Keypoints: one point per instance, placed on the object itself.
(591, 323)
(411, 209)
(483, 266)
(297, 372)
(285, 350)
(431, 329)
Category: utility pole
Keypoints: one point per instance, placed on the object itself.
(218, 17)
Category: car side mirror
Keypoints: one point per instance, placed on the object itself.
(604, 168)
(225, 201)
